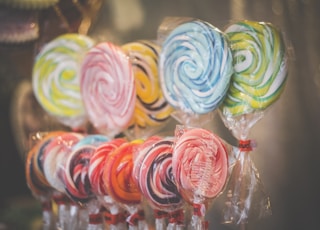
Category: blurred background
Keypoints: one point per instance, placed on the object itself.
(288, 135)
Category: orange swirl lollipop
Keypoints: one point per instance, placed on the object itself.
(119, 181)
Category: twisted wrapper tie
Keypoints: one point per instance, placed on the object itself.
(246, 145)
(114, 219)
(95, 218)
(47, 206)
(158, 214)
(199, 209)
(135, 218)
(61, 199)
(176, 217)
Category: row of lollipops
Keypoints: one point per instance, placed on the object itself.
(99, 183)
(191, 70)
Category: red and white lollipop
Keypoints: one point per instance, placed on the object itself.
(200, 167)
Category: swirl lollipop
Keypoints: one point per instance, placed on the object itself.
(152, 110)
(120, 184)
(108, 89)
(76, 178)
(260, 72)
(95, 171)
(35, 177)
(153, 169)
(200, 168)
(56, 78)
(54, 157)
(195, 69)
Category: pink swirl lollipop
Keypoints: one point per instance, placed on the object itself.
(200, 167)
(108, 88)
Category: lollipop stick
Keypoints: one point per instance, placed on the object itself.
(160, 219)
(47, 215)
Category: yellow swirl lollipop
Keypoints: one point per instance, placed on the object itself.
(151, 109)
(56, 78)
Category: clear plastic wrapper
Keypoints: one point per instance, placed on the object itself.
(152, 111)
(56, 78)
(76, 180)
(53, 158)
(113, 214)
(200, 168)
(35, 178)
(108, 88)
(120, 185)
(195, 68)
(152, 172)
(260, 73)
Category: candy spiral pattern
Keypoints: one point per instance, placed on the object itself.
(199, 163)
(54, 158)
(260, 65)
(56, 78)
(156, 179)
(195, 67)
(151, 107)
(97, 165)
(76, 176)
(76, 180)
(118, 178)
(35, 177)
(108, 88)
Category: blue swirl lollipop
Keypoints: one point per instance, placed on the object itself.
(195, 67)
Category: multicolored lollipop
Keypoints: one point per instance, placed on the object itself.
(200, 168)
(260, 67)
(56, 78)
(96, 168)
(195, 67)
(35, 177)
(108, 88)
(153, 167)
(151, 109)
(119, 182)
(260, 73)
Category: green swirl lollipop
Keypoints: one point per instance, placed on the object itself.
(260, 67)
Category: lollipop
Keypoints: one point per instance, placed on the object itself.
(155, 179)
(119, 182)
(35, 178)
(53, 160)
(95, 173)
(200, 168)
(195, 67)
(108, 89)
(151, 109)
(56, 78)
(76, 179)
(260, 65)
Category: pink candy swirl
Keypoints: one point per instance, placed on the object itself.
(108, 88)
(76, 174)
(200, 164)
(97, 164)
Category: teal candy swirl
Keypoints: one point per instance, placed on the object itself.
(195, 67)
(260, 67)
